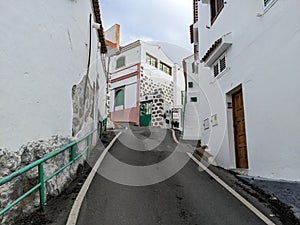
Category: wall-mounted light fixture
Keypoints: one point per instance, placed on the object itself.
(96, 26)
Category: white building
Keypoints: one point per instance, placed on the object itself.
(249, 79)
(143, 81)
(192, 127)
(44, 80)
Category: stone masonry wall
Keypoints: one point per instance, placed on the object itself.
(161, 92)
(149, 85)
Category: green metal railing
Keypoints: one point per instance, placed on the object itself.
(40, 164)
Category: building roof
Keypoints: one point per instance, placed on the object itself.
(211, 49)
(130, 46)
(96, 9)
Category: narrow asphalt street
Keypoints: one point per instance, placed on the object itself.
(119, 196)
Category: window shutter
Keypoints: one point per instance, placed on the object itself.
(222, 64)
(216, 69)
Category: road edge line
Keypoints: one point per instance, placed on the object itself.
(73, 215)
(233, 192)
(174, 137)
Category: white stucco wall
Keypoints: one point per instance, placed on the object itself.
(132, 57)
(131, 95)
(43, 53)
(157, 52)
(192, 119)
(137, 55)
(263, 59)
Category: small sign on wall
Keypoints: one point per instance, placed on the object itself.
(214, 120)
(206, 124)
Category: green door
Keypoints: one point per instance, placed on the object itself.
(145, 113)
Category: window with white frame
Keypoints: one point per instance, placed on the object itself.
(151, 60)
(164, 67)
(219, 66)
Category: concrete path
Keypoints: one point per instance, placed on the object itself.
(189, 197)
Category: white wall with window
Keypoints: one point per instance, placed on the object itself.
(262, 60)
(160, 71)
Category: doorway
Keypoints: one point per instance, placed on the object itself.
(240, 140)
(145, 113)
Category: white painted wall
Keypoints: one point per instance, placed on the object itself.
(132, 57)
(157, 52)
(41, 57)
(137, 55)
(124, 72)
(263, 59)
(131, 96)
(192, 119)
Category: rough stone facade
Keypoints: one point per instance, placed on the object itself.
(149, 86)
(28, 153)
(157, 109)
(83, 104)
(162, 95)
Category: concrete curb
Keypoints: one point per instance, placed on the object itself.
(73, 216)
(174, 136)
(206, 156)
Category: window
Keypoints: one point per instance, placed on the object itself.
(195, 67)
(119, 99)
(164, 67)
(216, 7)
(120, 62)
(222, 64)
(190, 84)
(151, 60)
(219, 66)
(194, 99)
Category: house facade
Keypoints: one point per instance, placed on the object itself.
(143, 85)
(249, 84)
(51, 79)
(192, 125)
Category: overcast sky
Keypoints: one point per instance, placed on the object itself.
(150, 20)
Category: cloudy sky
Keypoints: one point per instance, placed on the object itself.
(152, 20)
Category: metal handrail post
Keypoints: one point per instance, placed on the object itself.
(42, 187)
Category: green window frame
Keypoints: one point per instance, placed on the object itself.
(120, 62)
(191, 84)
(119, 97)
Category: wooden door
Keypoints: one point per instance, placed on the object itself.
(239, 130)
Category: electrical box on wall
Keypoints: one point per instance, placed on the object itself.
(214, 120)
(206, 124)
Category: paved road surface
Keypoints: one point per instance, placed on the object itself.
(189, 197)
